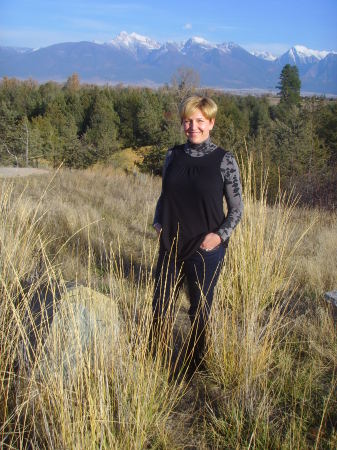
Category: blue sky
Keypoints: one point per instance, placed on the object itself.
(273, 25)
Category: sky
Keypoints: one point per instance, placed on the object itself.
(260, 25)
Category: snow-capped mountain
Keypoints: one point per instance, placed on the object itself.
(136, 59)
(198, 43)
(322, 74)
(227, 47)
(316, 68)
(302, 55)
(264, 55)
(134, 41)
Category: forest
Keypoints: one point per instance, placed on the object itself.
(294, 138)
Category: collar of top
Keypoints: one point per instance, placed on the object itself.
(200, 149)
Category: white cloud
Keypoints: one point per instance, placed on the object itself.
(187, 26)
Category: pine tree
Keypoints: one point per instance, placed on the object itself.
(290, 85)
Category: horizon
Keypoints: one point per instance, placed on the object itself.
(258, 27)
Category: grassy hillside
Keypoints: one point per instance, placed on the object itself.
(271, 367)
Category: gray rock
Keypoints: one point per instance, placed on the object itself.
(67, 327)
(331, 297)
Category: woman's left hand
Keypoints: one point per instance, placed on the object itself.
(211, 240)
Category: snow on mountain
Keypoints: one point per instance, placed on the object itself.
(201, 41)
(133, 58)
(264, 55)
(137, 43)
(299, 54)
(227, 47)
(172, 44)
(304, 52)
(168, 47)
(197, 42)
(133, 41)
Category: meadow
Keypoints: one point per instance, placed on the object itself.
(271, 366)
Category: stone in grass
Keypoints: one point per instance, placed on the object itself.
(65, 328)
(331, 297)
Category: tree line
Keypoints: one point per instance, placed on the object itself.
(79, 125)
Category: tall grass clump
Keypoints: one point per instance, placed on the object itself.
(276, 391)
(89, 380)
(20, 256)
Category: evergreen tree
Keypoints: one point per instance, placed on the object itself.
(101, 133)
(296, 151)
(127, 104)
(13, 136)
(326, 129)
(149, 120)
(290, 85)
(45, 139)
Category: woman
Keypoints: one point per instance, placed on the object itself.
(194, 231)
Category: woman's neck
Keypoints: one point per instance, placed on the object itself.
(201, 149)
(202, 144)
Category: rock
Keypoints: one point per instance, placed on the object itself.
(39, 304)
(64, 328)
(331, 297)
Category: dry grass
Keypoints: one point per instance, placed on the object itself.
(267, 347)
(271, 379)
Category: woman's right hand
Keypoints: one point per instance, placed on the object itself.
(157, 227)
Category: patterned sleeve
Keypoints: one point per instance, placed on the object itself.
(157, 213)
(233, 194)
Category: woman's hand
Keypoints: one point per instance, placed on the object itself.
(211, 240)
(157, 227)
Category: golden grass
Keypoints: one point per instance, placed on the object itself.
(271, 380)
(266, 358)
(116, 397)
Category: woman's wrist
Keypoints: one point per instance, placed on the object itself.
(220, 236)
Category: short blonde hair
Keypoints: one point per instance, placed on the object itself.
(206, 105)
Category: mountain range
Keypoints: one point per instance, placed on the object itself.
(135, 59)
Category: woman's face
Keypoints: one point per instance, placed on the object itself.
(197, 127)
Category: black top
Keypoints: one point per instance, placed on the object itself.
(231, 185)
(192, 200)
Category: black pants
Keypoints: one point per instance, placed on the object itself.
(201, 272)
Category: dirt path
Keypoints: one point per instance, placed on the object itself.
(9, 172)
